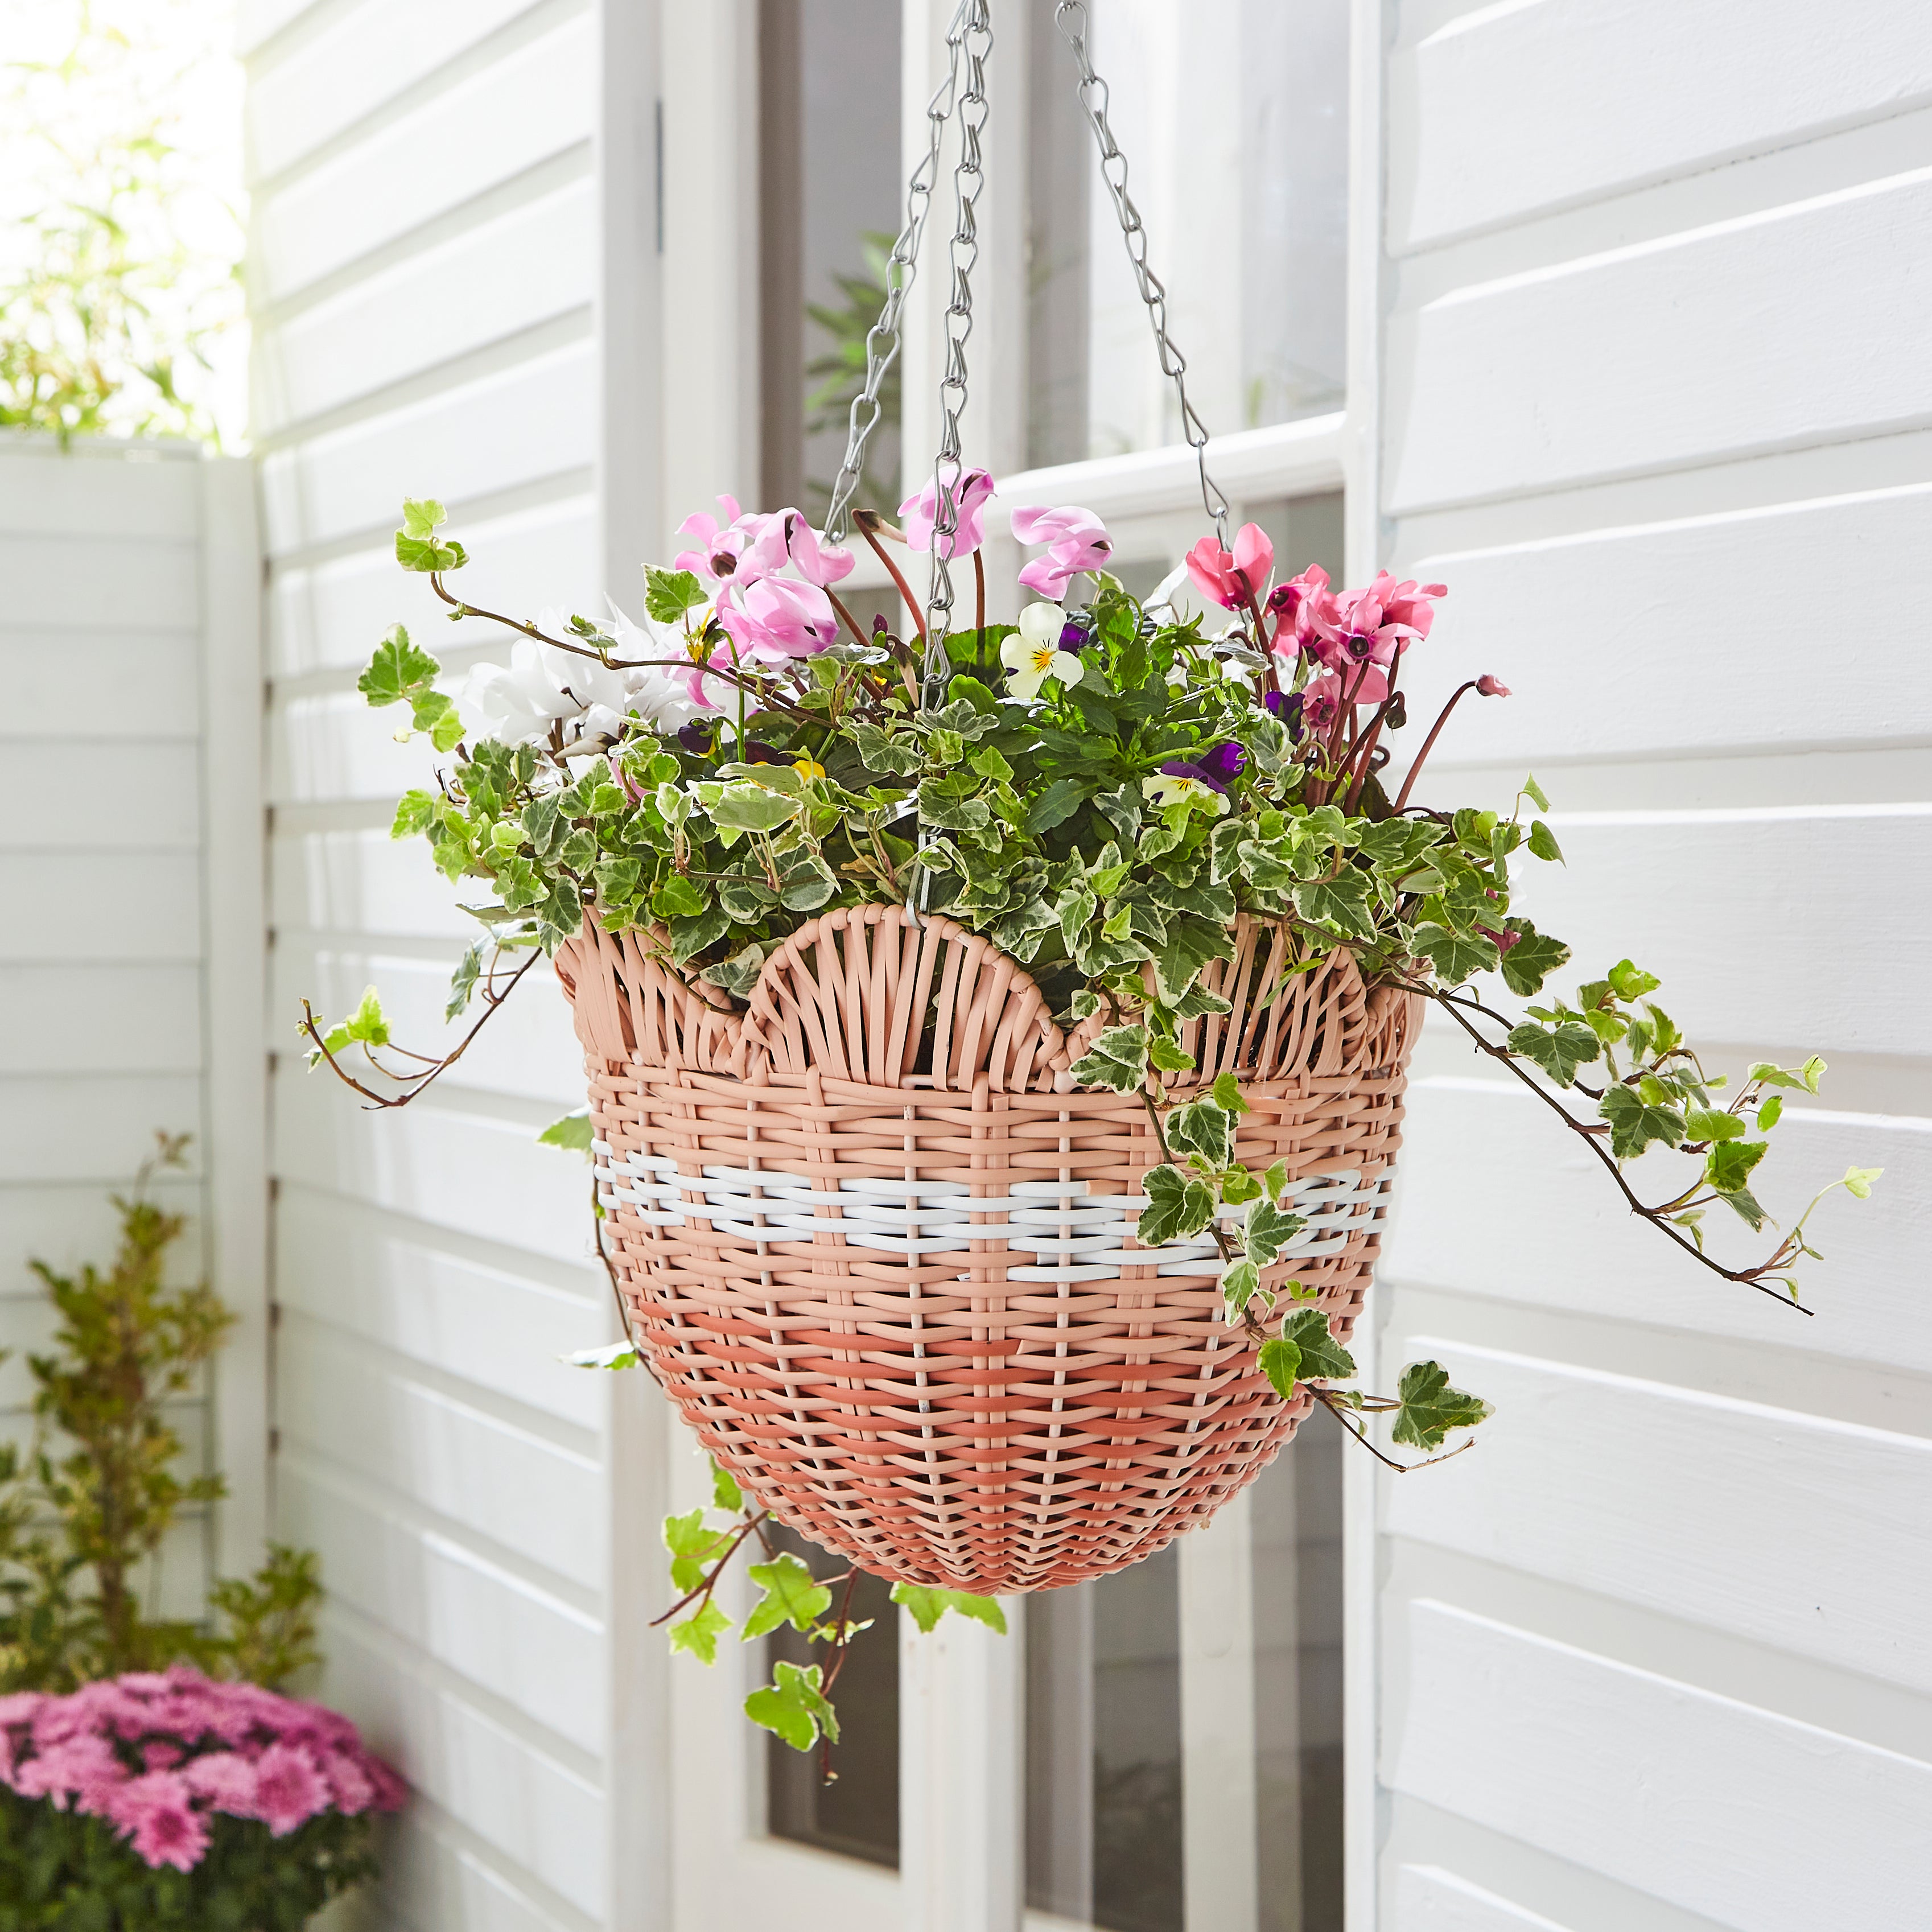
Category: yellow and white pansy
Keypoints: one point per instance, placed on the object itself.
(1179, 787)
(1035, 656)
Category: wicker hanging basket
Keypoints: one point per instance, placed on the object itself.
(879, 1247)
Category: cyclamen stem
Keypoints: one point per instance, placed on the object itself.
(865, 522)
(1429, 743)
(1592, 1133)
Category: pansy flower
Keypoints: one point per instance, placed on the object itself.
(1035, 655)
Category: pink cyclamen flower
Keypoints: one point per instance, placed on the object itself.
(1304, 611)
(919, 512)
(1076, 540)
(814, 559)
(773, 620)
(722, 542)
(1323, 701)
(288, 1789)
(155, 1813)
(1233, 579)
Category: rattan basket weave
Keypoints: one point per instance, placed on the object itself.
(879, 1248)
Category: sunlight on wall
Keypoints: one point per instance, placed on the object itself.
(121, 308)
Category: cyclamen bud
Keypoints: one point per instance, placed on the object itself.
(1487, 686)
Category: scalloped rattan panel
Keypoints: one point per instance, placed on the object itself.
(904, 1308)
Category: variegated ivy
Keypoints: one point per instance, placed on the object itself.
(1105, 786)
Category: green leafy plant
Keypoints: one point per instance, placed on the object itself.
(839, 372)
(130, 271)
(1099, 790)
(85, 1511)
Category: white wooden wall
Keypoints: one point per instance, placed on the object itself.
(448, 253)
(1654, 402)
(129, 617)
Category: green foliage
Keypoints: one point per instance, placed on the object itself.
(794, 1705)
(574, 1133)
(925, 1606)
(1430, 1408)
(110, 314)
(62, 1872)
(92, 1503)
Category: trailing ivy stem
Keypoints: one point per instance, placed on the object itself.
(1592, 1136)
(710, 1582)
(1334, 1408)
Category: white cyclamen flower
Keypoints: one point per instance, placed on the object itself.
(660, 694)
(1035, 656)
(542, 685)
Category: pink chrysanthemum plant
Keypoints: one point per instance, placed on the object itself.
(176, 1791)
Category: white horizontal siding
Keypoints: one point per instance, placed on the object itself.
(102, 987)
(1651, 407)
(425, 260)
(1500, 114)
(1799, 324)
(1658, 1784)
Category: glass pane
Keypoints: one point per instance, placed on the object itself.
(828, 204)
(1108, 1679)
(1239, 168)
(1103, 1750)
(1296, 1515)
(857, 1813)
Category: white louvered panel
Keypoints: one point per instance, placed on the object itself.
(1428, 1899)
(363, 882)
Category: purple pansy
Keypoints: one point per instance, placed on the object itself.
(1225, 761)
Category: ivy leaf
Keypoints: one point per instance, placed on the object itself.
(432, 712)
(1744, 1204)
(1532, 960)
(745, 807)
(1344, 902)
(1430, 1408)
(1323, 1358)
(689, 1543)
(423, 517)
(367, 1022)
(879, 751)
(1190, 943)
(690, 937)
(1543, 842)
(793, 1706)
(398, 670)
(668, 594)
(1281, 1363)
(1534, 793)
(926, 1605)
(1728, 1165)
(1805, 1077)
(1268, 1230)
(613, 1355)
(739, 973)
(1712, 1123)
(677, 897)
(1057, 803)
(806, 883)
(422, 554)
(1117, 1059)
(1202, 1127)
(1226, 1093)
(1558, 1050)
(1858, 1181)
(1170, 1057)
(1635, 1123)
(574, 1133)
(416, 811)
(791, 1595)
(699, 1633)
(725, 1492)
(1178, 1206)
(1455, 956)
(1239, 1281)
(1769, 1114)
(1630, 982)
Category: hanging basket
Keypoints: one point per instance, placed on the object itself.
(879, 1247)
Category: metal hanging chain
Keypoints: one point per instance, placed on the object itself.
(882, 339)
(1070, 17)
(974, 32)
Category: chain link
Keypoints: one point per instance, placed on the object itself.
(1070, 17)
(882, 339)
(974, 34)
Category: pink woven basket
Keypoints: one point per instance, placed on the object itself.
(879, 1248)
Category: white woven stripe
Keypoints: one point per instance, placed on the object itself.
(1073, 1235)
